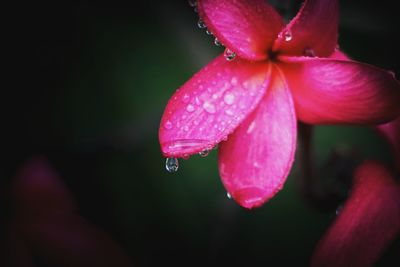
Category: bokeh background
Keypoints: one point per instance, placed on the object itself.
(91, 82)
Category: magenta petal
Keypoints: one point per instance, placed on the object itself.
(211, 105)
(256, 159)
(368, 222)
(314, 28)
(246, 27)
(328, 91)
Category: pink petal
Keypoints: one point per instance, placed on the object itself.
(258, 156)
(211, 105)
(314, 28)
(391, 131)
(248, 28)
(366, 225)
(37, 188)
(328, 91)
(340, 55)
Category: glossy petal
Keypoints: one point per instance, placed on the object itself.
(315, 27)
(340, 55)
(368, 222)
(328, 91)
(256, 159)
(211, 105)
(246, 27)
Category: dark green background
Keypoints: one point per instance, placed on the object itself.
(91, 82)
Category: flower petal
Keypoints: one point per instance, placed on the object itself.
(328, 91)
(256, 159)
(314, 28)
(247, 28)
(211, 105)
(368, 222)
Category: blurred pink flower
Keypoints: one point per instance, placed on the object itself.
(46, 226)
(367, 224)
(248, 100)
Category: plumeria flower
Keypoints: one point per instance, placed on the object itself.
(368, 222)
(248, 100)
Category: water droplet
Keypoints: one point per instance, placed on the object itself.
(171, 164)
(287, 35)
(228, 195)
(229, 55)
(168, 125)
(204, 153)
(192, 3)
(185, 98)
(338, 210)
(208, 32)
(201, 24)
(229, 98)
(392, 73)
(217, 42)
(190, 108)
(209, 107)
(309, 52)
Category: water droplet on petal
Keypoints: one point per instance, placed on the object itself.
(229, 98)
(229, 55)
(228, 195)
(192, 3)
(204, 153)
(208, 32)
(392, 73)
(309, 52)
(185, 98)
(209, 107)
(168, 125)
(217, 42)
(287, 35)
(171, 164)
(201, 24)
(190, 108)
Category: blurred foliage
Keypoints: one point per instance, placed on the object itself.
(91, 86)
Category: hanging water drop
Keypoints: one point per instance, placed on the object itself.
(201, 24)
(192, 3)
(229, 55)
(228, 195)
(208, 32)
(171, 164)
(287, 35)
(204, 153)
(339, 209)
(217, 42)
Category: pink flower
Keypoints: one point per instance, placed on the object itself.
(367, 224)
(272, 75)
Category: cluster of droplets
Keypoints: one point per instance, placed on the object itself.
(229, 55)
(287, 36)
